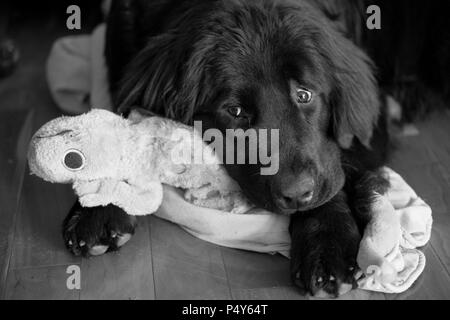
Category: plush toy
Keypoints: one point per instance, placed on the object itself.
(112, 160)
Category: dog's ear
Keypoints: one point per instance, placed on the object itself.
(149, 80)
(164, 78)
(354, 97)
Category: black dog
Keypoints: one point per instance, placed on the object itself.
(282, 64)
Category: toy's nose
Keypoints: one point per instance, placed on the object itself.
(74, 160)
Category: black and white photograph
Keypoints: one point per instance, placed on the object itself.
(242, 151)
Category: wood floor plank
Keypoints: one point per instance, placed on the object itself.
(291, 293)
(275, 293)
(125, 275)
(38, 241)
(251, 270)
(430, 184)
(47, 283)
(359, 294)
(185, 267)
(43, 206)
(436, 132)
(15, 129)
(411, 152)
(263, 276)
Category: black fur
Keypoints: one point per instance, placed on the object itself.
(193, 59)
(325, 244)
(84, 229)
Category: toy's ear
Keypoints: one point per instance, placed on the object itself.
(102, 115)
(137, 114)
(354, 98)
(98, 120)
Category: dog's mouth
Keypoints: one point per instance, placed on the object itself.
(286, 212)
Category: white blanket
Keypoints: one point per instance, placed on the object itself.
(77, 78)
(265, 232)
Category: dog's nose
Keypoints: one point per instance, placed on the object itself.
(297, 193)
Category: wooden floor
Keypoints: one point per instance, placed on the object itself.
(162, 261)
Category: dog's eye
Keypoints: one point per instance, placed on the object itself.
(235, 111)
(304, 96)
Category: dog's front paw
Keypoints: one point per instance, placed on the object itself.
(323, 256)
(95, 231)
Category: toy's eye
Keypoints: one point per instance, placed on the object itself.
(74, 160)
(235, 111)
(304, 96)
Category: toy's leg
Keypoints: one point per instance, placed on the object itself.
(94, 231)
(325, 244)
(138, 202)
(130, 198)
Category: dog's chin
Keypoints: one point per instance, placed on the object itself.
(272, 207)
(286, 212)
(305, 208)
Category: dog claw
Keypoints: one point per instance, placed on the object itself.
(122, 239)
(98, 250)
(359, 274)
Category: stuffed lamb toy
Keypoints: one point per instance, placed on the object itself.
(112, 160)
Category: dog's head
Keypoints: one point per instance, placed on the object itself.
(264, 65)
